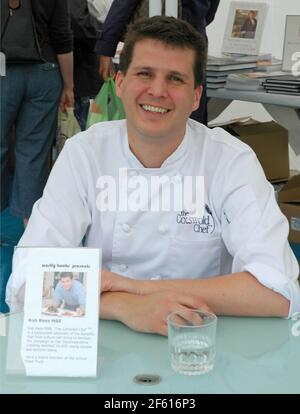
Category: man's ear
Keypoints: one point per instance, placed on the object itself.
(197, 97)
(119, 83)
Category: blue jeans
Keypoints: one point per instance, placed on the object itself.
(30, 95)
(81, 110)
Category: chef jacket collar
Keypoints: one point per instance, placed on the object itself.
(169, 166)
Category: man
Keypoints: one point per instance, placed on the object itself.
(87, 81)
(30, 95)
(234, 259)
(199, 13)
(70, 293)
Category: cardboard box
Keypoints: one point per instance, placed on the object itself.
(270, 143)
(289, 203)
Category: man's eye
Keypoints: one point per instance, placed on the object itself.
(144, 75)
(176, 79)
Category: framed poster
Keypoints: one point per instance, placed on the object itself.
(244, 28)
(291, 45)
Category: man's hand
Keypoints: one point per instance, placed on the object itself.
(106, 67)
(112, 282)
(66, 66)
(14, 4)
(147, 313)
(143, 305)
(67, 99)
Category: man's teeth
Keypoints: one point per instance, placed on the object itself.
(154, 109)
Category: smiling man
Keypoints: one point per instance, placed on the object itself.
(159, 92)
(234, 258)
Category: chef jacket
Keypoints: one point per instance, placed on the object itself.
(242, 228)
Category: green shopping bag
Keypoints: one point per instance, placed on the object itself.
(107, 106)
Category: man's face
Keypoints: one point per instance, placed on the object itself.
(158, 91)
(66, 283)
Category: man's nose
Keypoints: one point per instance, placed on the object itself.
(158, 87)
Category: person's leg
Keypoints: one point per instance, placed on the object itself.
(12, 90)
(81, 110)
(35, 132)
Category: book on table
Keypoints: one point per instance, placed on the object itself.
(281, 86)
(289, 79)
(283, 92)
(214, 66)
(220, 73)
(217, 79)
(247, 80)
(215, 85)
(269, 66)
(233, 62)
(287, 84)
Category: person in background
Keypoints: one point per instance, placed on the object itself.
(232, 256)
(199, 13)
(87, 81)
(30, 96)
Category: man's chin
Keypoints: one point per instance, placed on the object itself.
(157, 132)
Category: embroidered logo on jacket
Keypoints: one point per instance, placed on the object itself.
(204, 224)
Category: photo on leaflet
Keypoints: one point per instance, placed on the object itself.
(64, 294)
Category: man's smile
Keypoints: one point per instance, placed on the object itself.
(154, 109)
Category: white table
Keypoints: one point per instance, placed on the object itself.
(254, 355)
(284, 109)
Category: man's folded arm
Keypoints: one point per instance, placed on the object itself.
(237, 294)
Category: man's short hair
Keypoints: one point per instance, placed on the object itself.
(170, 31)
(66, 274)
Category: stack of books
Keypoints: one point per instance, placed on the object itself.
(286, 84)
(271, 65)
(218, 68)
(249, 81)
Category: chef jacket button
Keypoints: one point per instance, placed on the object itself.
(157, 277)
(126, 228)
(163, 229)
(123, 267)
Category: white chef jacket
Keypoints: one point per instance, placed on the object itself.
(242, 228)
